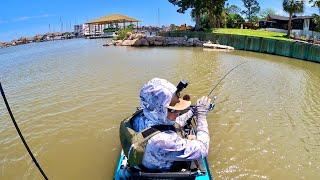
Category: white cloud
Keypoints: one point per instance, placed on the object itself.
(25, 18)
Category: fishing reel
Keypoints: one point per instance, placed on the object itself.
(212, 105)
(182, 85)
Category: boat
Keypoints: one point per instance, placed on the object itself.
(109, 34)
(217, 46)
(198, 170)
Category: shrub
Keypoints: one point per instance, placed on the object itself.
(124, 33)
(110, 29)
(316, 21)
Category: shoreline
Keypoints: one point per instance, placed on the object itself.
(39, 38)
(291, 49)
(138, 40)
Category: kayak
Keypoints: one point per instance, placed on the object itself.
(198, 170)
(184, 170)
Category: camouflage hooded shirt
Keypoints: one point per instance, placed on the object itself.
(166, 147)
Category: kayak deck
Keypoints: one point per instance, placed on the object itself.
(123, 172)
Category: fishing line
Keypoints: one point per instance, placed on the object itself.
(20, 134)
(212, 105)
(225, 77)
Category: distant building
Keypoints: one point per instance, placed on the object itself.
(92, 29)
(78, 30)
(301, 25)
(86, 29)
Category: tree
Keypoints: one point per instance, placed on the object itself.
(213, 8)
(264, 13)
(316, 20)
(315, 3)
(233, 9)
(255, 21)
(223, 19)
(234, 21)
(196, 14)
(204, 20)
(195, 5)
(292, 7)
(252, 8)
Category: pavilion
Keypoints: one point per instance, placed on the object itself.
(110, 21)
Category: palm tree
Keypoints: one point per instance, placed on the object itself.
(292, 7)
(315, 3)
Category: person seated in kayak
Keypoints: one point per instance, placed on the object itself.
(161, 106)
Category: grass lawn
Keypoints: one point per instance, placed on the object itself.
(251, 32)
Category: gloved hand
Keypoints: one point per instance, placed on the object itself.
(202, 106)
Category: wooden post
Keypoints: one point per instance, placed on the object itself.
(124, 24)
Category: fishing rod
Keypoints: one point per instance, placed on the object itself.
(20, 134)
(214, 98)
(212, 105)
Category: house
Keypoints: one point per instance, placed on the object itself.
(301, 25)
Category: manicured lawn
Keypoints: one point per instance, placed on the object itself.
(250, 32)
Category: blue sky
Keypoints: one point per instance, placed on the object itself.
(29, 17)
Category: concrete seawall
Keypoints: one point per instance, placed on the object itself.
(291, 49)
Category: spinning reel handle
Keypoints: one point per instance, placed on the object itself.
(211, 106)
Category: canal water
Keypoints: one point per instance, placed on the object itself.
(69, 97)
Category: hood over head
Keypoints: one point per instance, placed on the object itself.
(155, 97)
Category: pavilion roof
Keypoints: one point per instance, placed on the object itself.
(113, 18)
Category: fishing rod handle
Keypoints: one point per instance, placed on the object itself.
(211, 106)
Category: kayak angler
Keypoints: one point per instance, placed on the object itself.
(154, 138)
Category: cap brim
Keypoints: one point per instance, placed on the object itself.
(181, 105)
